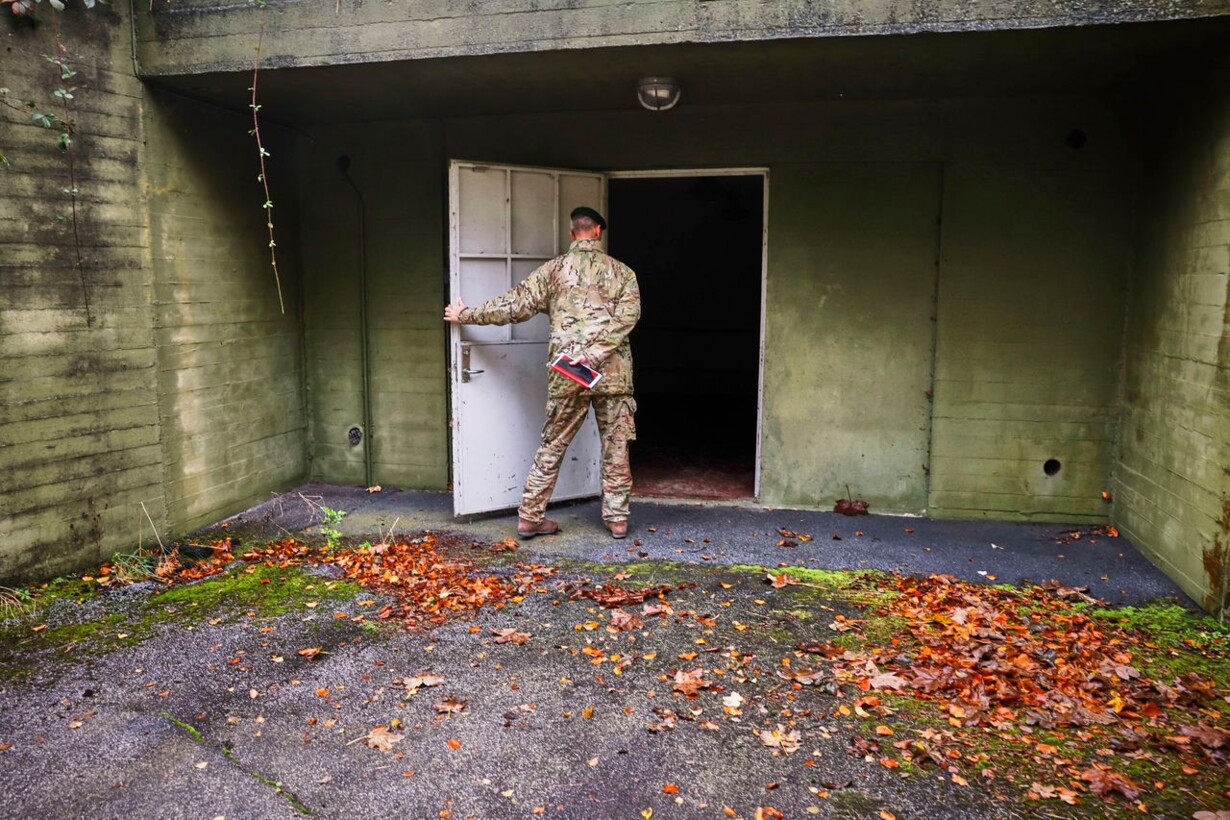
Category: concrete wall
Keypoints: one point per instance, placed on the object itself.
(1034, 268)
(1172, 481)
(1029, 262)
(849, 333)
(182, 388)
(79, 426)
(398, 173)
(230, 362)
(192, 36)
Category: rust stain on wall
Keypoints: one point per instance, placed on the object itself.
(1217, 561)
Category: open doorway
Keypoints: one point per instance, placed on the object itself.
(696, 243)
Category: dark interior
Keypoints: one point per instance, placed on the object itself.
(696, 245)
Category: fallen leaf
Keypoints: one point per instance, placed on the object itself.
(690, 683)
(624, 622)
(381, 739)
(781, 738)
(511, 635)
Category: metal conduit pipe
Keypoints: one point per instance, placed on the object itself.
(343, 165)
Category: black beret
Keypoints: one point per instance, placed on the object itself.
(591, 213)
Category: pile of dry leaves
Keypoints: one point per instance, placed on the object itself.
(428, 586)
(997, 659)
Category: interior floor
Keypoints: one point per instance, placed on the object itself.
(684, 451)
(696, 245)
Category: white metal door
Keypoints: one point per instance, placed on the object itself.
(504, 222)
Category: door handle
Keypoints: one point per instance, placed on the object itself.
(466, 372)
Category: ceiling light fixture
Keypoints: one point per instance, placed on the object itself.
(658, 93)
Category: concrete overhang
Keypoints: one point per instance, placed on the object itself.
(1119, 59)
(198, 36)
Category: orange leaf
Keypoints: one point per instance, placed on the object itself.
(670, 788)
(454, 743)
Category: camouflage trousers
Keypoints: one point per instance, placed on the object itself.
(616, 427)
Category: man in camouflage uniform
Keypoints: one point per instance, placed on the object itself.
(593, 302)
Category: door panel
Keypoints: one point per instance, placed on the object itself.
(505, 222)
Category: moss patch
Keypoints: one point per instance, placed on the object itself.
(70, 618)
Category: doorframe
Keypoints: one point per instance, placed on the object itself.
(762, 172)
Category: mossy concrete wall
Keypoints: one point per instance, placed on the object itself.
(1034, 267)
(79, 422)
(230, 361)
(1173, 474)
(192, 36)
(398, 173)
(180, 389)
(924, 260)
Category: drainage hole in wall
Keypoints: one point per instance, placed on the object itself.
(1076, 138)
(1051, 466)
(354, 435)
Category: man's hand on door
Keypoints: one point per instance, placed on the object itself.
(452, 313)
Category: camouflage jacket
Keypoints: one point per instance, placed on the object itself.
(593, 302)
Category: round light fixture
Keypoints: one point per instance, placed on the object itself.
(658, 93)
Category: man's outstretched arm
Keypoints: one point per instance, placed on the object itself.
(516, 305)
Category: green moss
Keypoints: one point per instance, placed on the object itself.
(1169, 624)
(60, 627)
(853, 803)
(266, 590)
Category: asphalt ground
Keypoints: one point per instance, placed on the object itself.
(200, 721)
(979, 551)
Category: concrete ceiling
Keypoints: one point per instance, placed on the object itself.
(1122, 59)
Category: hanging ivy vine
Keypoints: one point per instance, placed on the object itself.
(59, 122)
(261, 155)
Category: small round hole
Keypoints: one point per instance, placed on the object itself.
(354, 435)
(1076, 138)
(1051, 466)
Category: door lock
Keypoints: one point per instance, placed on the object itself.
(466, 372)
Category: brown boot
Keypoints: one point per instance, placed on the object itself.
(619, 529)
(528, 529)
